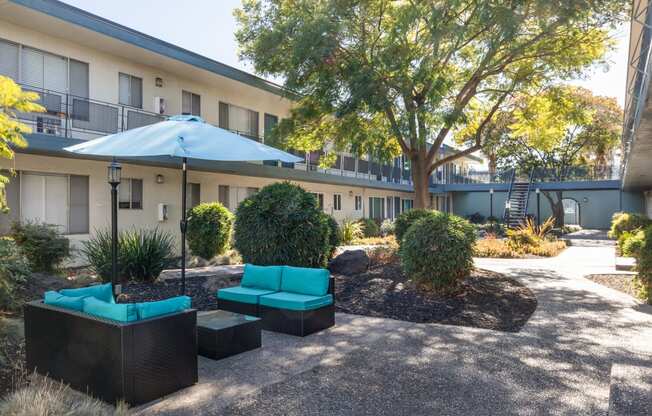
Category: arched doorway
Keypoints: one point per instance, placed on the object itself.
(571, 211)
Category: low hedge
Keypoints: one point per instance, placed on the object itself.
(437, 251)
(42, 244)
(622, 222)
(644, 266)
(370, 227)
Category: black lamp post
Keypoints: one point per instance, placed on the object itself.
(491, 202)
(538, 191)
(114, 171)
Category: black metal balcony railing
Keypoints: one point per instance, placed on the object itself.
(588, 173)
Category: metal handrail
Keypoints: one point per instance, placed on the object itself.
(529, 187)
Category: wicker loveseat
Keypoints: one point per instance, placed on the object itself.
(292, 300)
(136, 361)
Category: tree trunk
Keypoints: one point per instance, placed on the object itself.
(420, 181)
(556, 206)
(492, 167)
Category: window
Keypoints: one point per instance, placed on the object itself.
(271, 121)
(390, 207)
(377, 208)
(358, 203)
(193, 195)
(223, 195)
(239, 119)
(62, 200)
(337, 202)
(190, 103)
(130, 90)
(130, 194)
(407, 204)
(9, 60)
(320, 199)
(251, 191)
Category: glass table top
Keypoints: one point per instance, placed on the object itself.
(220, 319)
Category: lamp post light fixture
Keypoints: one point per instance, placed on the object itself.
(538, 192)
(491, 202)
(113, 177)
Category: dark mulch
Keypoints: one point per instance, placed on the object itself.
(485, 300)
(202, 290)
(621, 282)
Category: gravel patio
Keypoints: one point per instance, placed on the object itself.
(585, 350)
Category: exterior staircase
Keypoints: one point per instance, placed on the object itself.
(518, 197)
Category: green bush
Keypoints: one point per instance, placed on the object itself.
(350, 230)
(42, 244)
(631, 243)
(334, 235)
(387, 227)
(142, 254)
(209, 229)
(406, 219)
(437, 251)
(644, 266)
(370, 227)
(14, 271)
(626, 221)
(281, 224)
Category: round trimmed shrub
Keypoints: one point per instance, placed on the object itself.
(627, 221)
(334, 235)
(437, 251)
(370, 227)
(407, 218)
(42, 244)
(209, 229)
(282, 225)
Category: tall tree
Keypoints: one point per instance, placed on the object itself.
(562, 132)
(385, 77)
(12, 101)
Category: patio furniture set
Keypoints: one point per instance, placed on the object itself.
(142, 351)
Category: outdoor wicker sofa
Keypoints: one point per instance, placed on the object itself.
(291, 300)
(135, 361)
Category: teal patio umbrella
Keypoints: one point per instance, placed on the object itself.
(181, 138)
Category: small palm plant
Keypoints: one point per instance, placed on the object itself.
(350, 230)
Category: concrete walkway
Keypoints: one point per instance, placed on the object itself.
(560, 363)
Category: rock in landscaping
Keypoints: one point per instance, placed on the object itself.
(350, 262)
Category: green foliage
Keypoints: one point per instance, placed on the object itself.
(475, 218)
(334, 235)
(387, 227)
(380, 77)
(529, 234)
(142, 254)
(630, 243)
(42, 244)
(627, 221)
(494, 228)
(350, 230)
(370, 227)
(644, 266)
(282, 225)
(14, 271)
(13, 100)
(209, 229)
(406, 219)
(437, 251)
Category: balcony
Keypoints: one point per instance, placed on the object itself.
(578, 174)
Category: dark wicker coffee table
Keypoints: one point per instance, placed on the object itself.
(221, 334)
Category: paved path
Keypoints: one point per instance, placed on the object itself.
(560, 363)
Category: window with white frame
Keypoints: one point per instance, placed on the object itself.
(358, 203)
(337, 202)
(239, 119)
(407, 204)
(190, 103)
(377, 208)
(130, 90)
(130, 194)
(62, 200)
(193, 195)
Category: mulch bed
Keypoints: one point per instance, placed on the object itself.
(621, 282)
(485, 300)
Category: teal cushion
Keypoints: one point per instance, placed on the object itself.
(243, 294)
(262, 277)
(305, 281)
(122, 312)
(151, 309)
(53, 298)
(101, 292)
(295, 301)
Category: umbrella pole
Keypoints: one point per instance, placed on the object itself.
(183, 227)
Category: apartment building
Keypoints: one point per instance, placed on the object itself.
(96, 77)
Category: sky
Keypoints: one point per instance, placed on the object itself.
(207, 27)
